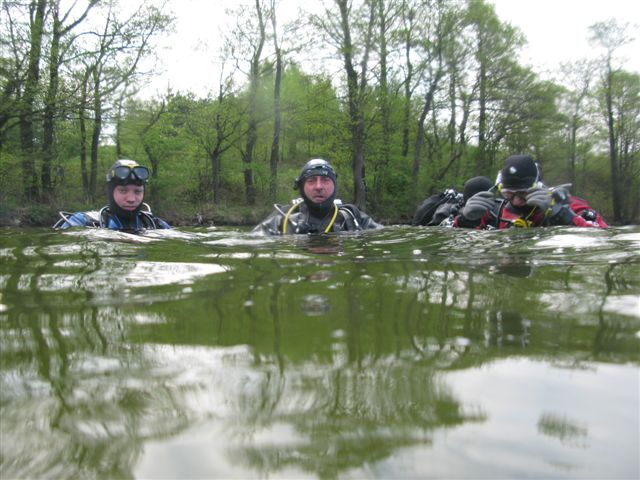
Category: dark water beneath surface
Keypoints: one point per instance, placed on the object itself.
(401, 353)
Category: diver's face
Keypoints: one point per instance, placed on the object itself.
(128, 197)
(517, 198)
(318, 188)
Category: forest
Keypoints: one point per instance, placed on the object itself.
(404, 97)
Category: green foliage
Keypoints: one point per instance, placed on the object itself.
(484, 107)
(10, 178)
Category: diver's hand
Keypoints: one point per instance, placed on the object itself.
(477, 205)
(560, 212)
(539, 197)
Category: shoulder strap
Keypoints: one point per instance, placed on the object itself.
(148, 220)
(105, 214)
(64, 218)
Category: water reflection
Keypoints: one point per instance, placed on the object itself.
(567, 431)
(507, 329)
(338, 356)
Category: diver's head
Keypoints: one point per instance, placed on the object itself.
(317, 183)
(475, 185)
(125, 187)
(519, 174)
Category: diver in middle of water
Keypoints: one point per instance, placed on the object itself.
(318, 211)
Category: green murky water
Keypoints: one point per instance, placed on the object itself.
(401, 353)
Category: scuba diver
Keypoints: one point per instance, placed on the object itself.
(318, 211)
(126, 211)
(441, 209)
(526, 202)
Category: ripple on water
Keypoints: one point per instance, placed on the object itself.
(134, 274)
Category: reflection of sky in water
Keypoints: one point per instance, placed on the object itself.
(540, 418)
(110, 235)
(163, 273)
(129, 274)
(575, 304)
(518, 397)
(252, 255)
(572, 241)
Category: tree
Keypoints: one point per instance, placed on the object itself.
(495, 51)
(113, 62)
(12, 69)
(29, 93)
(215, 124)
(436, 34)
(386, 16)
(406, 33)
(250, 37)
(339, 28)
(575, 102)
(57, 53)
(622, 104)
(611, 36)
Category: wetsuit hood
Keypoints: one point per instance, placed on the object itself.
(313, 168)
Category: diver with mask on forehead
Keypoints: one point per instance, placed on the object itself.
(318, 210)
(126, 211)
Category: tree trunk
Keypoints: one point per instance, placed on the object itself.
(616, 186)
(153, 160)
(481, 157)
(119, 125)
(29, 176)
(95, 137)
(214, 158)
(573, 154)
(50, 105)
(406, 114)
(407, 104)
(277, 114)
(428, 103)
(385, 109)
(83, 140)
(355, 93)
(252, 130)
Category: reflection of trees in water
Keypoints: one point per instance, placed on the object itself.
(610, 336)
(560, 427)
(354, 371)
(359, 407)
(76, 401)
(516, 304)
(507, 329)
(79, 400)
(346, 416)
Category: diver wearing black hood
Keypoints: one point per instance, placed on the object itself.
(318, 210)
(126, 210)
(521, 199)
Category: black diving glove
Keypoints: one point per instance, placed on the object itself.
(560, 213)
(477, 205)
(540, 197)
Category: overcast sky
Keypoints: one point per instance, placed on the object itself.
(556, 30)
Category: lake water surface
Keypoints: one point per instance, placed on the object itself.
(401, 353)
